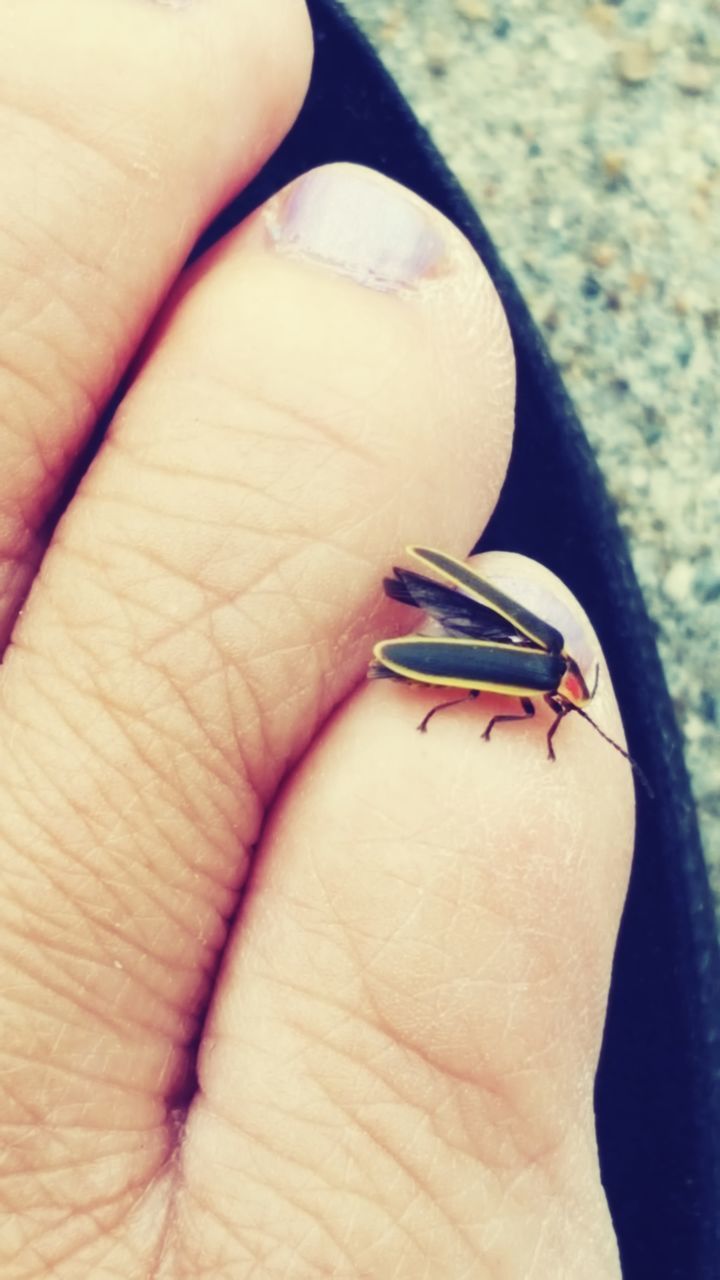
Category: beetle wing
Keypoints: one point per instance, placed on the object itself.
(458, 614)
(522, 619)
(514, 669)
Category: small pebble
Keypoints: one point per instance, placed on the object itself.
(699, 207)
(678, 582)
(437, 53)
(474, 10)
(661, 38)
(635, 62)
(638, 282)
(602, 16)
(613, 163)
(590, 287)
(694, 78)
(694, 728)
(392, 24)
(603, 254)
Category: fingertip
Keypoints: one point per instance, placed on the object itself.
(576, 800)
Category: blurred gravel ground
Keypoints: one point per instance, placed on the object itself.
(589, 138)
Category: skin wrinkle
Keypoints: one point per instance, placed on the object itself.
(252, 1239)
(474, 304)
(307, 1212)
(454, 901)
(90, 1208)
(192, 520)
(82, 402)
(169, 1211)
(175, 1010)
(423, 1188)
(12, 372)
(36, 1123)
(95, 960)
(81, 1073)
(83, 864)
(504, 887)
(362, 966)
(87, 871)
(481, 1083)
(71, 1130)
(392, 1039)
(208, 901)
(279, 418)
(123, 1210)
(40, 244)
(113, 163)
(20, 1200)
(94, 830)
(58, 1212)
(183, 750)
(126, 723)
(491, 905)
(493, 1085)
(394, 1221)
(45, 354)
(393, 1034)
(53, 1257)
(264, 1272)
(100, 926)
(298, 606)
(278, 1151)
(152, 559)
(246, 408)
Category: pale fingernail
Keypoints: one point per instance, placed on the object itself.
(360, 225)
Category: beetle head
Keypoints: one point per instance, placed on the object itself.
(573, 686)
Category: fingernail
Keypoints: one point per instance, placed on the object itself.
(360, 226)
(534, 587)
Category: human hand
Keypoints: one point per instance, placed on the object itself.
(375, 1056)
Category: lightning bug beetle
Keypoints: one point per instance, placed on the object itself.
(483, 641)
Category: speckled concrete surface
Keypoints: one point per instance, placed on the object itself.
(589, 138)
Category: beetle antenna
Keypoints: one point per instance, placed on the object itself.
(633, 763)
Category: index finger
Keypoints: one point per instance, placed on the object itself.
(142, 120)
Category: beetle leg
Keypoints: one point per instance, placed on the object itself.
(561, 708)
(528, 713)
(454, 702)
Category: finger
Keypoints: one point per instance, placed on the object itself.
(403, 1047)
(333, 379)
(137, 124)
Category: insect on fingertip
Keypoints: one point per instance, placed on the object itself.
(482, 640)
